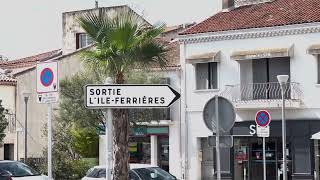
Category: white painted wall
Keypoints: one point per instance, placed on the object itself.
(303, 70)
(7, 95)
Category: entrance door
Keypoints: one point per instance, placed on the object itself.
(8, 151)
(256, 170)
(207, 160)
(241, 159)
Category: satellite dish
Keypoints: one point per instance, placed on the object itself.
(226, 114)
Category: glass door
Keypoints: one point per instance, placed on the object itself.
(317, 160)
(257, 159)
(241, 159)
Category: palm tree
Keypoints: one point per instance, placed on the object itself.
(123, 42)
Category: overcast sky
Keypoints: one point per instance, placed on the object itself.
(28, 27)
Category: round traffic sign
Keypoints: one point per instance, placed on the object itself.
(46, 77)
(226, 114)
(263, 118)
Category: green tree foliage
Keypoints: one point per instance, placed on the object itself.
(71, 107)
(85, 141)
(3, 121)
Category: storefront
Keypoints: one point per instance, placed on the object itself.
(150, 145)
(247, 150)
(245, 158)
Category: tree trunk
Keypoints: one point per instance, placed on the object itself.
(120, 140)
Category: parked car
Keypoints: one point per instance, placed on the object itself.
(14, 170)
(137, 172)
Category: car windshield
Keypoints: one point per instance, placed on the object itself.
(97, 173)
(154, 173)
(16, 169)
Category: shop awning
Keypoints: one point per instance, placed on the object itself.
(316, 136)
(262, 53)
(204, 58)
(314, 49)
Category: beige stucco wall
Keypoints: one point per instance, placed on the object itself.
(71, 27)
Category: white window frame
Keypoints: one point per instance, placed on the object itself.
(195, 78)
(86, 36)
(318, 70)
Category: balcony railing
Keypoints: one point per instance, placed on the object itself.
(11, 128)
(256, 93)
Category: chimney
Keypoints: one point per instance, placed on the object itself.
(97, 4)
(227, 5)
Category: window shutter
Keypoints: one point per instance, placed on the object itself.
(213, 76)
(77, 40)
(318, 70)
(202, 76)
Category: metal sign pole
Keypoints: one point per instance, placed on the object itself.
(49, 141)
(264, 159)
(108, 137)
(109, 144)
(217, 138)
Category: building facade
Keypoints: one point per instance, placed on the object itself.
(238, 53)
(7, 98)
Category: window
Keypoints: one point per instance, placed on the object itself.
(83, 40)
(206, 75)
(318, 70)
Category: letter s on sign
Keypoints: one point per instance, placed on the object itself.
(252, 129)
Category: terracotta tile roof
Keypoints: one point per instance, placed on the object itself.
(6, 79)
(276, 13)
(173, 54)
(30, 61)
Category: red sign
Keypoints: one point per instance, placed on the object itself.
(263, 118)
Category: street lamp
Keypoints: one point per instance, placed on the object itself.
(283, 79)
(26, 96)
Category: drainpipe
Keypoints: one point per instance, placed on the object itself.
(184, 122)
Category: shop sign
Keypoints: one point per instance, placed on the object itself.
(139, 131)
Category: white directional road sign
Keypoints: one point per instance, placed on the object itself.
(129, 96)
(47, 77)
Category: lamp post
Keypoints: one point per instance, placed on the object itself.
(283, 79)
(26, 96)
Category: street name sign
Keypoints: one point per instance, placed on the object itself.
(129, 96)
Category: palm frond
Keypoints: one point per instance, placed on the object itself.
(123, 41)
